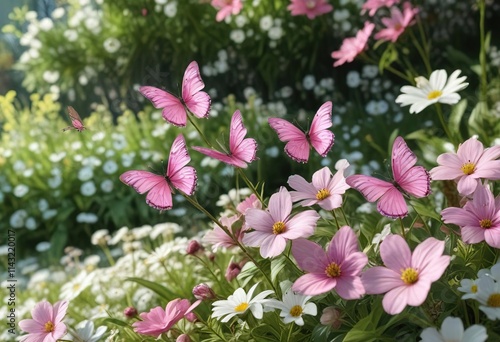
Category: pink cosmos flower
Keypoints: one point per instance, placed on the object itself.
(325, 190)
(157, 321)
(374, 5)
(479, 219)
(226, 8)
(250, 202)
(338, 268)
(219, 238)
(397, 23)
(311, 8)
(408, 277)
(274, 227)
(470, 162)
(46, 325)
(353, 46)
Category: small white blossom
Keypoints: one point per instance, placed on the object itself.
(112, 45)
(88, 188)
(85, 173)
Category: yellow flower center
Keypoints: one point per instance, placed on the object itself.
(485, 223)
(494, 300)
(242, 307)
(409, 276)
(322, 194)
(279, 227)
(296, 311)
(473, 289)
(310, 4)
(434, 94)
(468, 168)
(49, 327)
(333, 270)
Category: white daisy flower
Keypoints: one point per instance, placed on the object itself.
(75, 286)
(293, 306)
(240, 302)
(85, 332)
(452, 330)
(438, 88)
(488, 295)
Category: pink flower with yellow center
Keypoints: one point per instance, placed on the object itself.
(407, 278)
(272, 228)
(310, 8)
(397, 23)
(46, 324)
(226, 8)
(470, 163)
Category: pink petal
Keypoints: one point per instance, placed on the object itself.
(33, 337)
(343, 243)
(488, 170)
(472, 234)
(280, 205)
(417, 293)
(350, 287)
(321, 178)
(43, 312)
(309, 256)
(255, 239)
(395, 253)
(354, 263)
(467, 184)
(314, 284)
(395, 300)
(272, 246)
(470, 151)
(60, 309)
(492, 237)
(459, 216)
(31, 326)
(426, 253)
(491, 153)
(301, 225)
(302, 187)
(377, 280)
(259, 220)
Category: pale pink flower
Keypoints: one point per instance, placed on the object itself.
(217, 237)
(397, 23)
(470, 163)
(311, 8)
(479, 219)
(251, 201)
(407, 277)
(46, 324)
(273, 227)
(325, 190)
(353, 46)
(338, 268)
(373, 5)
(226, 8)
(157, 321)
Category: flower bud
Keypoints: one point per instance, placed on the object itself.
(183, 338)
(331, 316)
(233, 269)
(193, 247)
(130, 312)
(191, 317)
(203, 292)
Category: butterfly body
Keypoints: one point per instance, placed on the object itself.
(159, 187)
(298, 143)
(409, 180)
(76, 121)
(192, 99)
(241, 150)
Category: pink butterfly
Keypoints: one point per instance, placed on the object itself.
(241, 150)
(174, 108)
(76, 121)
(160, 187)
(298, 142)
(408, 179)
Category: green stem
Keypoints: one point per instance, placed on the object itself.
(402, 228)
(210, 270)
(290, 332)
(222, 337)
(482, 52)
(335, 217)
(420, 47)
(396, 72)
(345, 216)
(250, 185)
(443, 123)
(108, 255)
(199, 131)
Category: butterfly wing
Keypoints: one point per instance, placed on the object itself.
(220, 156)
(414, 180)
(391, 202)
(159, 196)
(242, 149)
(173, 109)
(76, 121)
(297, 146)
(197, 101)
(181, 177)
(320, 137)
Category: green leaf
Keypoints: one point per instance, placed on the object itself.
(115, 321)
(277, 265)
(455, 118)
(160, 290)
(389, 56)
(476, 121)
